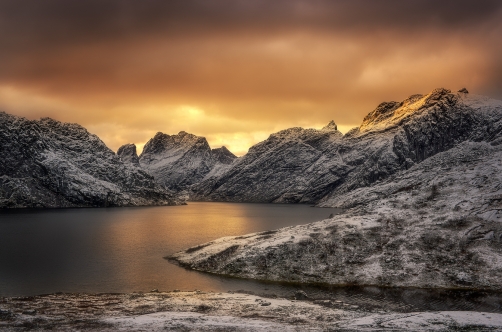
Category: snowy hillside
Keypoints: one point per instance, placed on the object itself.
(178, 161)
(424, 200)
(47, 163)
(437, 224)
(281, 169)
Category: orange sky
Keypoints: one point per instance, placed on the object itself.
(235, 71)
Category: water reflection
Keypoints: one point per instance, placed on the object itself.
(122, 249)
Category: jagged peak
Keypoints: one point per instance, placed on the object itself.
(330, 126)
(223, 148)
(383, 111)
(127, 147)
(223, 155)
(391, 113)
(128, 154)
(162, 143)
(437, 94)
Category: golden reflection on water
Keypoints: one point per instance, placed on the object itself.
(122, 249)
(154, 232)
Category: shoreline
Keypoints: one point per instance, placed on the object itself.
(327, 286)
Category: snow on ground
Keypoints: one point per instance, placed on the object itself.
(200, 311)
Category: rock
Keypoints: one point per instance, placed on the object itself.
(31, 312)
(127, 153)
(265, 304)
(331, 126)
(463, 90)
(463, 278)
(223, 155)
(301, 295)
(47, 163)
(6, 314)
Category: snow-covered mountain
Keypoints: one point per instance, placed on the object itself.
(46, 163)
(280, 169)
(312, 166)
(178, 161)
(424, 206)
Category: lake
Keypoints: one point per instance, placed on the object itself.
(121, 250)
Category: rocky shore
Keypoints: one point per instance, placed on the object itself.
(208, 311)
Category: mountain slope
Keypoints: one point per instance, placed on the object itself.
(312, 166)
(178, 161)
(47, 163)
(424, 200)
(437, 224)
(290, 166)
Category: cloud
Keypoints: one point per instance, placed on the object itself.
(235, 70)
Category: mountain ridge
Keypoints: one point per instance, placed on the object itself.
(394, 136)
(47, 163)
(422, 200)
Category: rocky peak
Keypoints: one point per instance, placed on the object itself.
(223, 155)
(162, 145)
(330, 126)
(391, 114)
(127, 153)
(463, 90)
(157, 144)
(177, 161)
(383, 111)
(436, 96)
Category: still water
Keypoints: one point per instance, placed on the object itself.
(122, 250)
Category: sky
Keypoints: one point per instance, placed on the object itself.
(236, 71)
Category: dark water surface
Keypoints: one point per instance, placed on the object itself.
(122, 250)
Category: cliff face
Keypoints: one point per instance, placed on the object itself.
(178, 161)
(314, 166)
(47, 163)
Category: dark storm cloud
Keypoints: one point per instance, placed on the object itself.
(251, 65)
(55, 23)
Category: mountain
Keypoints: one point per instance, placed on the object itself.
(423, 206)
(46, 163)
(279, 169)
(178, 161)
(315, 166)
